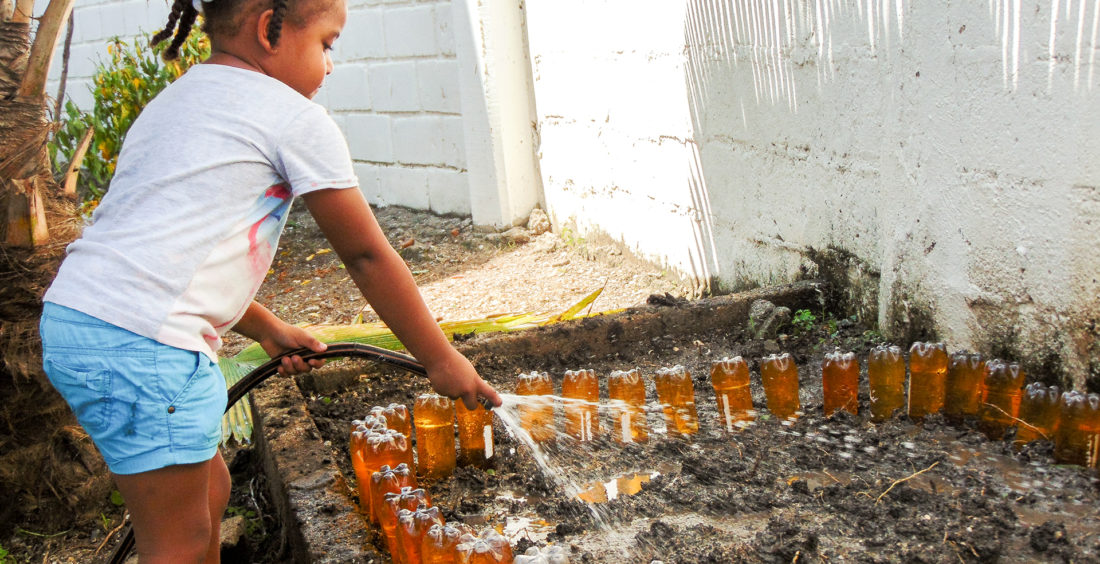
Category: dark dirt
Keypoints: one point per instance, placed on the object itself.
(836, 489)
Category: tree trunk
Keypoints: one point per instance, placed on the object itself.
(24, 128)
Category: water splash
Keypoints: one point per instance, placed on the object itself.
(557, 466)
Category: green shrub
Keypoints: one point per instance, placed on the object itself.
(121, 87)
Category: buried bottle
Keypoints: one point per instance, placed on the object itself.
(779, 375)
(1077, 438)
(1001, 394)
(475, 435)
(886, 378)
(411, 528)
(677, 396)
(581, 416)
(627, 387)
(927, 372)
(392, 504)
(536, 414)
(396, 416)
(730, 378)
(388, 480)
(963, 386)
(440, 542)
(840, 382)
(387, 447)
(435, 436)
(489, 547)
(1038, 413)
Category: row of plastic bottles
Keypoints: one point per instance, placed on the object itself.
(960, 385)
(414, 530)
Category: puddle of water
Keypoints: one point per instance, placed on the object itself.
(623, 484)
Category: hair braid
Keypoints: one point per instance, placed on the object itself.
(170, 27)
(275, 26)
(187, 20)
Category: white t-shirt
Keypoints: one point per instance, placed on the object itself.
(184, 237)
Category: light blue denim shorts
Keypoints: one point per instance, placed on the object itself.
(146, 405)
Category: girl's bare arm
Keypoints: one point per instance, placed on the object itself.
(385, 281)
(277, 336)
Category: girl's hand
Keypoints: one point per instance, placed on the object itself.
(456, 378)
(285, 337)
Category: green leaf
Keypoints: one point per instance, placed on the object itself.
(116, 498)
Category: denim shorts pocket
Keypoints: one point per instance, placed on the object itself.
(195, 391)
(87, 391)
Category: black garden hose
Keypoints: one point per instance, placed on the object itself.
(270, 368)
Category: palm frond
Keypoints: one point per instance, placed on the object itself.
(238, 421)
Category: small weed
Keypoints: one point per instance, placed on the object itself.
(116, 498)
(106, 522)
(571, 238)
(252, 522)
(872, 337)
(6, 557)
(804, 320)
(326, 400)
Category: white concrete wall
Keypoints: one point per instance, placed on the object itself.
(394, 92)
(948, 148)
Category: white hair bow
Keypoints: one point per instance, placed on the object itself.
(197, 4)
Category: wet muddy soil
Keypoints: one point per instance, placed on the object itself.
(818, 489)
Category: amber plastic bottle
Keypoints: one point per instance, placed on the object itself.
(628, 388)
(396, 416)
(489, 547)
(440, 542)
(582, 420)
(1077, 438)
(392, 504)
(536, 414)
(1038, 413)
(927, 372)
(388, 480)
(412, 526)
(840, 382)
(779, 374)
(963, 386)
(358, 450)
(434, 416)
(475, 435)
(886, 378)
(677, 396)
(730, 378)
(387, 447)
(1001, 395)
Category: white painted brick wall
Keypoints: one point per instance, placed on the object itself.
(364, 36)
(369, 137)
(402, 186)
(395, 64)
(437, 83)
(347, 88)
(410, 31)
(444, 35)
(393, 86)
(445, 190)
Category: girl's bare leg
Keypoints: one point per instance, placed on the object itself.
(176, 511)
(218, 500)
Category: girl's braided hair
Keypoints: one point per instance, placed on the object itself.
(220, 16)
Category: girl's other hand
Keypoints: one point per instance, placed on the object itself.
(456, 378)
(287, 337)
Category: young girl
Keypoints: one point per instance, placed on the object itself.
(182, 241)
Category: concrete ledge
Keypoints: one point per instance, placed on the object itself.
(320, 523)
